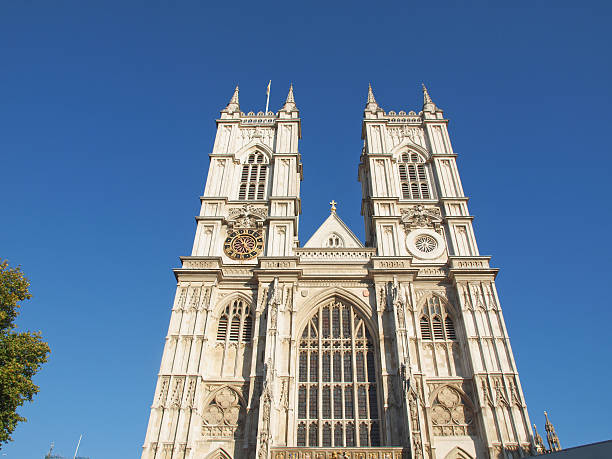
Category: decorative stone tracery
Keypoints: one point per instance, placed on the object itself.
(450, 415)
(224, 415)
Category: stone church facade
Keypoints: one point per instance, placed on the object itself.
(391, 349)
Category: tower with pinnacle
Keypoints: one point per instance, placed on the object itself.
(388, 348)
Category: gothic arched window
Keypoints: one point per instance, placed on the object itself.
(235, 323)
(435, 322)
(334, 241)
(413, 176)
(253, 178)
(337, 398)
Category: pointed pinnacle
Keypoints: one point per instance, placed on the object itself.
(234, 104)
(428, 104)
(371, 104)
(426, 98)
(371, 99)
(235, 95)
(290, 95)
(290, 101)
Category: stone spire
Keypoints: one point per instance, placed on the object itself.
(371, 105)
(234, 105)
(539, 443)
(551, 436)
(290, 102)
(428, 105)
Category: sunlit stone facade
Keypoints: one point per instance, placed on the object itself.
(332, 349)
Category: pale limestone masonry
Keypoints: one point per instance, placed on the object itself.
(391, 349)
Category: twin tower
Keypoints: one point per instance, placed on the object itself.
(336, 349)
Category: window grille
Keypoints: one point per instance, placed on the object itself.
(435, 318)
(222, 330)
(413, 177)
(236, 318)
(425, 328)
(337, 380)
(437, 328)
(450, 329)
(253, 178)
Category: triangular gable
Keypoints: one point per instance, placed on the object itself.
(333, 229)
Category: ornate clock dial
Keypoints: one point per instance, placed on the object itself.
(243, 244)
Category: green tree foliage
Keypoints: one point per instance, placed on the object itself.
(21, 354)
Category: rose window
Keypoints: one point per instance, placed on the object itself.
(426, 243)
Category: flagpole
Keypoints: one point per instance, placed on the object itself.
(268, 96)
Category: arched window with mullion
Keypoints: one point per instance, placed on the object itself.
(435, 323)
(253, 178)
(337, 380)
(413, 176)
(235, 323)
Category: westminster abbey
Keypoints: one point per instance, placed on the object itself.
(336, 349)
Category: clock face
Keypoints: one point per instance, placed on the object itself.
(243, 244)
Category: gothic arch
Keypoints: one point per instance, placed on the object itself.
(464, 396)
(218, 309)
(234, 318)
(210, 397)
(334, 241)
(338, 391)
(252, 147)
(458, 453)
(407, 146)
(308, 309)
(450, 307)
(219, 453)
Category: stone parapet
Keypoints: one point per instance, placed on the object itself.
(361, 255)
(339, 453)
(469, 262)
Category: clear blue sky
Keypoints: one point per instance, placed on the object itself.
(107, 119)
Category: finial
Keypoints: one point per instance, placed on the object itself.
(371, 104)
(333, 206)
(539, 443)
(551, 436)
(428, 105)
(234, 104)
(290, 102)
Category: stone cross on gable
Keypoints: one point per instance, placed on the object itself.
(333, 206)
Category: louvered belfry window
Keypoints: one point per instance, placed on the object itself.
(235, 323)
(253, 178)
(435, 322)
(413, 177)
(337, 398)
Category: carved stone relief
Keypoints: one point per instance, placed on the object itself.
(414, 134)
(450, 415)
(223, 417)
(246, 216)
(421, 217)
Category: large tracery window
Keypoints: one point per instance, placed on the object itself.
(253, 178)
(413, 177)
(337, 401)
(435, 323)
(235, 323)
